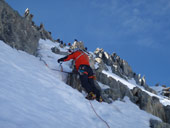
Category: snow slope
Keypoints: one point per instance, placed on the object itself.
(33, 96)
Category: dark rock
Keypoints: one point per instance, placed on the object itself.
(127, 71)
(164, 86)
(55, 50)
(167, 113)
(102, 77)
(74, 81)
(45, 34)
(117, 89)
(58, 40)
(148, 103)
(158, 124)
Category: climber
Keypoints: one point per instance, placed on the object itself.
(86, 73)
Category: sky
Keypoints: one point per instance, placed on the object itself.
(138, 31)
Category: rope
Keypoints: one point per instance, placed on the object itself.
(44, 62)
(98, 115)
(55, 69)
(61, 67)
(62, 71)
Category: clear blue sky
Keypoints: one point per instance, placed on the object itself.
(137, 30)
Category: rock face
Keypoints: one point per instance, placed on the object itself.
(74, 81)
(117, 89)
(166, 92)
(167, 113)
(20, 32)
(149, 104)
(158, 124)
(119, 66)
(16, 30)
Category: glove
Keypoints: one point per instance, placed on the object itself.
(62, 59)
(59, 60)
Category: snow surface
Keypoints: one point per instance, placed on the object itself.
(34, 96)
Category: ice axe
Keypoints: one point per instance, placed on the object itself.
(61, 67)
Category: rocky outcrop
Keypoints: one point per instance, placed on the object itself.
(78, 44)
(43, 33)
(117, 89)
(158, 124)
(167, 113)
(74, 81)
(150, 104)
(16, 30)
(166, 92)
(20, 32)
(119, 66)
(55, 50)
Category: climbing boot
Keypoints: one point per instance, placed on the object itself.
(100, 99)
(91, 96)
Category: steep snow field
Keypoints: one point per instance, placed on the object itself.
(33, 96)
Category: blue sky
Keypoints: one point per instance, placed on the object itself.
(137, 30)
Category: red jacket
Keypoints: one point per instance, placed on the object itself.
(80, 58)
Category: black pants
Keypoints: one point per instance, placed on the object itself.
(85, 72)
